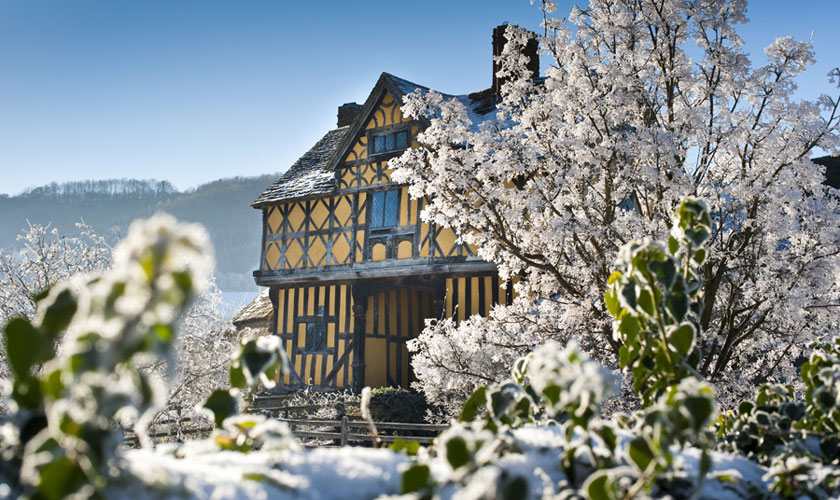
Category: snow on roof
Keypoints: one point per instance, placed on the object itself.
(308, 176)
(311, 176)
(257, 311)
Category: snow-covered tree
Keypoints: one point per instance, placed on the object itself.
(646, 101)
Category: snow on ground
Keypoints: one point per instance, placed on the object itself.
(196, 471)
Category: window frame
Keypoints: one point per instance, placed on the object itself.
(319, 323)
(396, 212)
(383, 133)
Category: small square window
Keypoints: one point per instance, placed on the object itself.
(316, 336)
(389, 142)
(402, 140)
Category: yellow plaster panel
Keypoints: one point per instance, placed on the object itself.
(475, 306)
(331, 334)
(424, 247)
(369, 176)
(339, 377)
(301, 337)
(378, 252)
(362, 206)
(344, 211)
(404, 207)
(462, 298)
(375, 374)
(293, 255)
(319, 361)
(287, 377)
(449, 293)
(272, 255)
(320, 214)
(404, 249)
(317, 251)
(446, 240)
(387, 99)
(340, 249)
(360, 242)
(290, 317)
(274, 219)
(343, 309)
(310, 303)
(349, 176)
(488, 293)
(296, 218)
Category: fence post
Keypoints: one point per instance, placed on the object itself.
(344, 431)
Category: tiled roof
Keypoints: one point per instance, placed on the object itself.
(309, 175)
(405, 86)
(832, 169)
(257, 311)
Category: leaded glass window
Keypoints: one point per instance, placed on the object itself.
(386, 143)
(384, 208)
(316, 332)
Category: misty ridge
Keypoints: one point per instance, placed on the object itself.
(109, 206)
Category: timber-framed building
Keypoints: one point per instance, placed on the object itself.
(352, 270)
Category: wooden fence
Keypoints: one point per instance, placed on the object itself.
(345, 431)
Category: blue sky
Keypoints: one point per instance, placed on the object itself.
(195, 90)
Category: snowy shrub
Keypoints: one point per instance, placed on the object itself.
(202, 348)
(60, 439)
(390, 404)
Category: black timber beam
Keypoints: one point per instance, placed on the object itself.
(362, 271)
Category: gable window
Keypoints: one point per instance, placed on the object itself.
(384, 208)
(388, 142)
(316, 332)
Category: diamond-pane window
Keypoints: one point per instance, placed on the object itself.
(388, 142)
(402, 140)
(316, 332)
(391, 207)
(385, 208)
(377, 210)
(379, 144)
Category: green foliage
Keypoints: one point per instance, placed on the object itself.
(246, 433)
(656, 303)
(797, 440)
(390, 404)
(59, 439)
(410, 448)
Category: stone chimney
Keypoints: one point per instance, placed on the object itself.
(348, 112)
(531, 50)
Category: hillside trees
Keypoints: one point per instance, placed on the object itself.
(645, 102)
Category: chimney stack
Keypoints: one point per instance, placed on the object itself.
(531, 50)
(347, 113)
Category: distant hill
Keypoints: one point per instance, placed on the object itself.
(222, 206)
